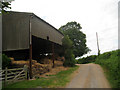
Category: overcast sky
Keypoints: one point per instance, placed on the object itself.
(99, 16)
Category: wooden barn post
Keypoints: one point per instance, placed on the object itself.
(53, 56)
(30, 51)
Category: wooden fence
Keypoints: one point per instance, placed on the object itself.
(13, 75)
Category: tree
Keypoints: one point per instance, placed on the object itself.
(72, 29)
(4, 6)
(68, 52)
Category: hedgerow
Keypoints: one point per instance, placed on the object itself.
(87, 59)
(111, 62)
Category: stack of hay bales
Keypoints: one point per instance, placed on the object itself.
(58, 62)
(20, 63)
(38, 68)
(46, 61)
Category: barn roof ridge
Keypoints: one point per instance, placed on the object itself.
(30, 13)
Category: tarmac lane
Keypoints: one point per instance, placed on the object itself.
(89, 76)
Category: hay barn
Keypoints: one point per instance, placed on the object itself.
(22, 29)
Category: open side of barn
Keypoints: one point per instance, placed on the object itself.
(16, 34)
(26, 36)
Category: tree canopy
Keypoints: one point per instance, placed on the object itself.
(4, 6)
(73, 30)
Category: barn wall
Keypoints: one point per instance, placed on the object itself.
(16, 27)
(43, 30)
(15, 31)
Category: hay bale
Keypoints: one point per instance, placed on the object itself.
(11, 58)
(34, 61)
(38, 68)
(46, 61)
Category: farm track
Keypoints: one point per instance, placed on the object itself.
(89, 76)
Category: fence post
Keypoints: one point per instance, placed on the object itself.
(25, 69)
(6, 69)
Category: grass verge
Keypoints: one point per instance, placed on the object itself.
(53, 81)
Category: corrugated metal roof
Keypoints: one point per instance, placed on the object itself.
(16, 30)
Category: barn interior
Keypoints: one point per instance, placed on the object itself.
(41, 48)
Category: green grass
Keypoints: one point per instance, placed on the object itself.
(53, 81)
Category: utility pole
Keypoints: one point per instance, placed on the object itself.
(97, 44)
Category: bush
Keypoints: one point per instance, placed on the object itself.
(6, 62)
(70, 59)
(87, 59)
(111, 61)
(106, 55)
(68, 52)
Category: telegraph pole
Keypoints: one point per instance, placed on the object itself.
(97, 44)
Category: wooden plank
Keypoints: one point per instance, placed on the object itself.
(53, 56)
(14, 76)
(5, 74)
(30, 62)
(2, 74)
(10, 73)
(26, 72)
(21, 78)
(25, 69)
(2, 71)
(9, 81)
(22, 74)
(18, 75)
(17, 80)
(3, 78)
(15, 69)
(10, 77)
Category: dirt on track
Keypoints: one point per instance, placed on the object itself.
(89, 76)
